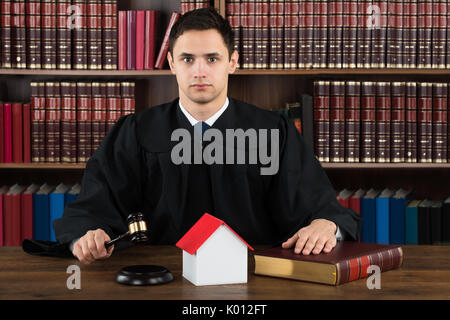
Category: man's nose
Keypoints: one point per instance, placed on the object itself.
(200, 68)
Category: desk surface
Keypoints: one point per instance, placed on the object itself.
(425, 274)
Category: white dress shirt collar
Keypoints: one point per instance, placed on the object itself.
(209, 121)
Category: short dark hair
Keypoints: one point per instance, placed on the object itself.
(202, 19)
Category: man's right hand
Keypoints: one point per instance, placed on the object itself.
(91, 246)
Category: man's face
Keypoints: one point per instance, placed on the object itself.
(201, 64)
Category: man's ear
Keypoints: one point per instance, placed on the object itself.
(233, 61)
(171, 64)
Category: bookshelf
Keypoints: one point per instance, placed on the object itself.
(267, 89)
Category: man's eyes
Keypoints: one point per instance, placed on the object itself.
(189, 60)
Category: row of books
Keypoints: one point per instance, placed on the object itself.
(291, 34)
(189, 5)
(396, 217)
(381, 121)
(28, 212)
(64, 122)
(63, 34)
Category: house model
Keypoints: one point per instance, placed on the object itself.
(213, 253)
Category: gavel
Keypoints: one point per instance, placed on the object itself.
(137, 231)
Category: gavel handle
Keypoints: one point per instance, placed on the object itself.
(110, 243)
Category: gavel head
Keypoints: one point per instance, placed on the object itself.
(138, 228)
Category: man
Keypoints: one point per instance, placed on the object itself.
(134, 170)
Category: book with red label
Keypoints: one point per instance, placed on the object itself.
(161, 59)
(348, 261)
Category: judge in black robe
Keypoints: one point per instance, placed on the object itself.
(132, 171)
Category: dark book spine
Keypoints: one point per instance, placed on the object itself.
(411, 123)
(349, 34)
(18, 35)
(424, 33)
(398, 122)
(276, 34)
(84, 118)
(306, 34)
(37, 121)
(113, 104)
(320, 34)
(337, 121)
(322, 120)
(63, 35)
(378, 55)
(368, 129)
(79, 35)
(439, 123)
(128, 104)
(261, 35)
(94, 34)
(383, 122)
(290, 31)
(335, 28)
(409, 34)
(448, 125)
(68, 122)
(424, 223)
(98, 113)
(394, 34)
(48, 34)
(233, 14)
(53, 122)
(109, 35)
(439, 34)
(363, 34)
(352, 121)
(33, 34)
(357, 268)
(436, 222)
(424, 124)
(6, 33)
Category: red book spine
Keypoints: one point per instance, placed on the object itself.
(368, 121)
(398, 121)
(352, 121)
(122, 39)
(2, 135)
(439, 123)
(2, 195)
(17, 133)
(162, 55)
(84, 117)
(7, 126)
(11, 219)
(424, 121)
(113, 104)
(131, 40)
(151, 19)
(357, 268)
(411, 122)
(26, 133)
(140, 32)
(383, 121)
(322, 120)
(109, 34)
(337, 121)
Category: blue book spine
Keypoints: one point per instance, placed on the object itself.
(411, 236)
(397, 221)
(41, 217)
(368, 228)
(382, 218)
(56, 211)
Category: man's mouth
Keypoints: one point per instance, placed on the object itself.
(201, 86)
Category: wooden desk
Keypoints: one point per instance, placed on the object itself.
(425, 274)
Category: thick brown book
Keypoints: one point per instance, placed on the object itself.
(398, 95)
(348, 261)
(439, 34)
(320, 37)
(109, 34)
(439, 123)
(5, 34)
(113, 104)
(18, 35)
(394, 34)
(98, 113)
(94, 34)
(335, 23)
(33, 34)
(364, 35)
(424, 121)
(383, 122)
(63, 35)
(162, 55)
(352, 121)
(349, 34)
(337, 121)
(79, 35)
(84, 118)
(68, 122)
(37, 121)
(262, 36)
(52, 122)
(276, 22)
(233, 14)
(411, 122)
(128, 105)
(322, 120)
(48, 34)
(424, 33)
(368, 94)
(379, 30)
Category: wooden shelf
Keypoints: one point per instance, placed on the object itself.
(59, 166)
(145, 73)
(82, 166)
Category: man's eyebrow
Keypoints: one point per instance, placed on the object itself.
(212, 54)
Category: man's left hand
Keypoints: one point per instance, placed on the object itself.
(319, 235)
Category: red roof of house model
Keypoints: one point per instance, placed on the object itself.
(200, 232)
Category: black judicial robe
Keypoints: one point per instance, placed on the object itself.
(132, 171)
